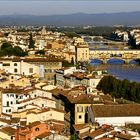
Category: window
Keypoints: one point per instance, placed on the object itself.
(80, 109)
(15, 70)
(37, 129)
(77, 109)
(30, 70)
(11, 102)
(12, 77)
(6, 64)
(9, 110)
(15, 64)
(80, 116)
(7, 103)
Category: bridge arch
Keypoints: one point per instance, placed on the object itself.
(126, 55)
(96, 61)
(133, 61)
(116, 61)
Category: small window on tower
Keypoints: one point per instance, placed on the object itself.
(15, 64)
(15, 70)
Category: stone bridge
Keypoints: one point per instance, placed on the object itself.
(104, 41)
(105, 55)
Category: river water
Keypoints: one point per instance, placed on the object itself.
(117, 68)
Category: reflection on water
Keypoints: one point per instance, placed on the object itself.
(125, 71)
(130, 72)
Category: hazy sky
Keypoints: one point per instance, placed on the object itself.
(51, 7)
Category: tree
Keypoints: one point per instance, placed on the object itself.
(40, 52)
(120, 88)
(73, 137)
(19, 52)
(72, 61)
(31, 42)
(8, 50)
(65, 63)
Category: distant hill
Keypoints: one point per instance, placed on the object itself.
(128, 18)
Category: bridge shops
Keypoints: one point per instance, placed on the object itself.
(105, 55)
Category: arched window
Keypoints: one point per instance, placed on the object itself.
(37, 129)
(15, 64)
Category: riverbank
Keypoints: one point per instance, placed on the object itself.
(130, 72)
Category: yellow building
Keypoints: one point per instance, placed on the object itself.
(16, 81)
(82, 53)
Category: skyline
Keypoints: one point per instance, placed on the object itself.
(61, 7)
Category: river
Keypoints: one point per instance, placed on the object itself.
(116, 67)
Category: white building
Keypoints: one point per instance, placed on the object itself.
(10, 98)
(116, 114)
(14, 100)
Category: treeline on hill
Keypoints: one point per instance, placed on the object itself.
(8, 50)
(120, 88)
(93, 31)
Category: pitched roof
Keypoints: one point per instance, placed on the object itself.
(8, 130)
(100, 131)
(116, 110)
(125, 136)
(78, 127)
(5, 121)
(44, 135)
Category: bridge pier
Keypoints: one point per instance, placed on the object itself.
(127, 61)
(104, 61)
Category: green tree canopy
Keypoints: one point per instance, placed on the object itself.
(31, 42)
(120, 88)
(8, 50)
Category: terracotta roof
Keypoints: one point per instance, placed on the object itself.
(15, 120)
(5, 121)
(44, 135)
(13, 90)
(57, 128)
(85, 99)
(103, 138)
(8, 130)
(4, 114)
(78, 127)
(125, 136)
(35, 59)
(56, 121)
(51, 109)
(100, 132)
(34, 124)
(58, 91)
(119, 110)
(46, 98)
(84, 135)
